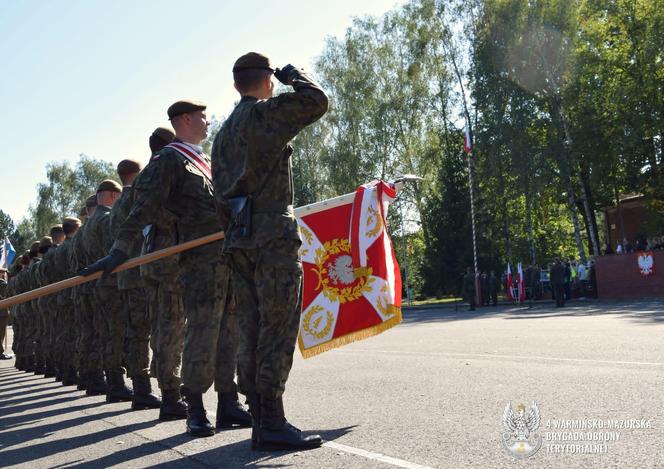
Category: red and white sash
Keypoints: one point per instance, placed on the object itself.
(193, 156)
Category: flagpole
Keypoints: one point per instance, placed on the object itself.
(472, 207)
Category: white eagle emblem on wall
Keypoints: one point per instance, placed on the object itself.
(646, 263)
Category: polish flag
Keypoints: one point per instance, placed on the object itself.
(467, 144)
(521, 285)
(510, 284)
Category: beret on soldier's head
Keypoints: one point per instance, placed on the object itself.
(109, 185)
(2, 269)
(56, 229)
(90, 202)
(252, 61)
(69, 224)
(34, 248)
(128, 167)
(163, 133)
(45, 243)
(183, 107)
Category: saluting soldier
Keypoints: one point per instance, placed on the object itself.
(178, 180)
(254, 190)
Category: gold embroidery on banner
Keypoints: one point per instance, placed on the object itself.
(362, 279)
(379, 223)
(314, 329)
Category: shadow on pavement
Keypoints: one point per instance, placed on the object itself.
(642, 311)
(32, 397)
(7, 422)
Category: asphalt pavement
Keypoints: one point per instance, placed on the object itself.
(430, 392)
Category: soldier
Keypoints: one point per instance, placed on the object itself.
(254, 189)
(34, 329)
(469, 288)
(43, 308)
(65, 331)
(133, 295)
(88, 346)
(177, 180)
(4, 315)
(18, 315)
(164, 302)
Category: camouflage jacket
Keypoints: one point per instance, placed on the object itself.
(171, 184)
(163, 234)
(3, 294)
(129, 278)
(251, 157)
(77, 259)
(97, 241)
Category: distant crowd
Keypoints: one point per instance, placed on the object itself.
(641, 244)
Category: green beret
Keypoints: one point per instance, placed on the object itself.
(128, 167)
(162, 133)
(56, 230)
(69, 224)
(252, 61)
(109, 185)
(91, 201)
(184, 107)
(34, 248)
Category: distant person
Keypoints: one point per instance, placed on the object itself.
(619, 248)
(627, 246)
(568, 280)
(4, 315)
(558, 283)
(484, 288)
(641, 244)
(469, 288)
(494, 285)
(607, 249)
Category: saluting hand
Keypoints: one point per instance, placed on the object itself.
(106, 264)
(283, 74)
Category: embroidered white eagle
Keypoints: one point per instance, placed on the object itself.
(646, 263)
(520, 424)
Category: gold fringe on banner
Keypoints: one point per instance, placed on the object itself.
(349, 338)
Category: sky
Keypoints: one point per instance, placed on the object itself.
(96, 77)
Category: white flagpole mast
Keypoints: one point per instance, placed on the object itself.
(472, 204)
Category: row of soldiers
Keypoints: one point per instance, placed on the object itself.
(224, 306)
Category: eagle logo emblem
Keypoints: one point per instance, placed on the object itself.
(520, 438)
(646, 263)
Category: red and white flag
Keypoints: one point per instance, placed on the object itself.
(467, 144)
(521, 284)
(352, 282)
(510, 284)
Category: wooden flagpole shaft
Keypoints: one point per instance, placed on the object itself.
(130, 264)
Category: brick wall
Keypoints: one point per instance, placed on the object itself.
(618, 277)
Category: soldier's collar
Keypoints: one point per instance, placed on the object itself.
(247, 98)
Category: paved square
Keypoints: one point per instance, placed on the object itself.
(430, 392)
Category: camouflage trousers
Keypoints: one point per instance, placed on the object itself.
(137, 335)
(167, 331)
(47, 311)
(18, 329)
(111, 322)
(203, 276)
(31, 329)
(88, 343)
(3, 332)
(266, 283)
(65, 332)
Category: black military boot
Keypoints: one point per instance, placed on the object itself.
(143, 397)
(197, 421)
(230, 412)
(82, 382)
(173, 406)
(69, 377)
(29, 366)
(59, 373)
(117, 390)
(40, 369)
(18, 364)
(95, 384)
(254, 402)
(49, 368)
(276, 433)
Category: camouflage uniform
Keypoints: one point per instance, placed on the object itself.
(251, 157)
(173, 184)
(65, 327)
(47, 308)
(133, 295)
(164, 305)
(109, 318)
(4, 316)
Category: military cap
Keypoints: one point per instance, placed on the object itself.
(56, 229)
(45, 243)
(183, 107)
(34, 248)
(2, 269)
(90, 202)
(252, 61)
(70, 223)
(128, 167)
(163, 133)
(109, 185)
